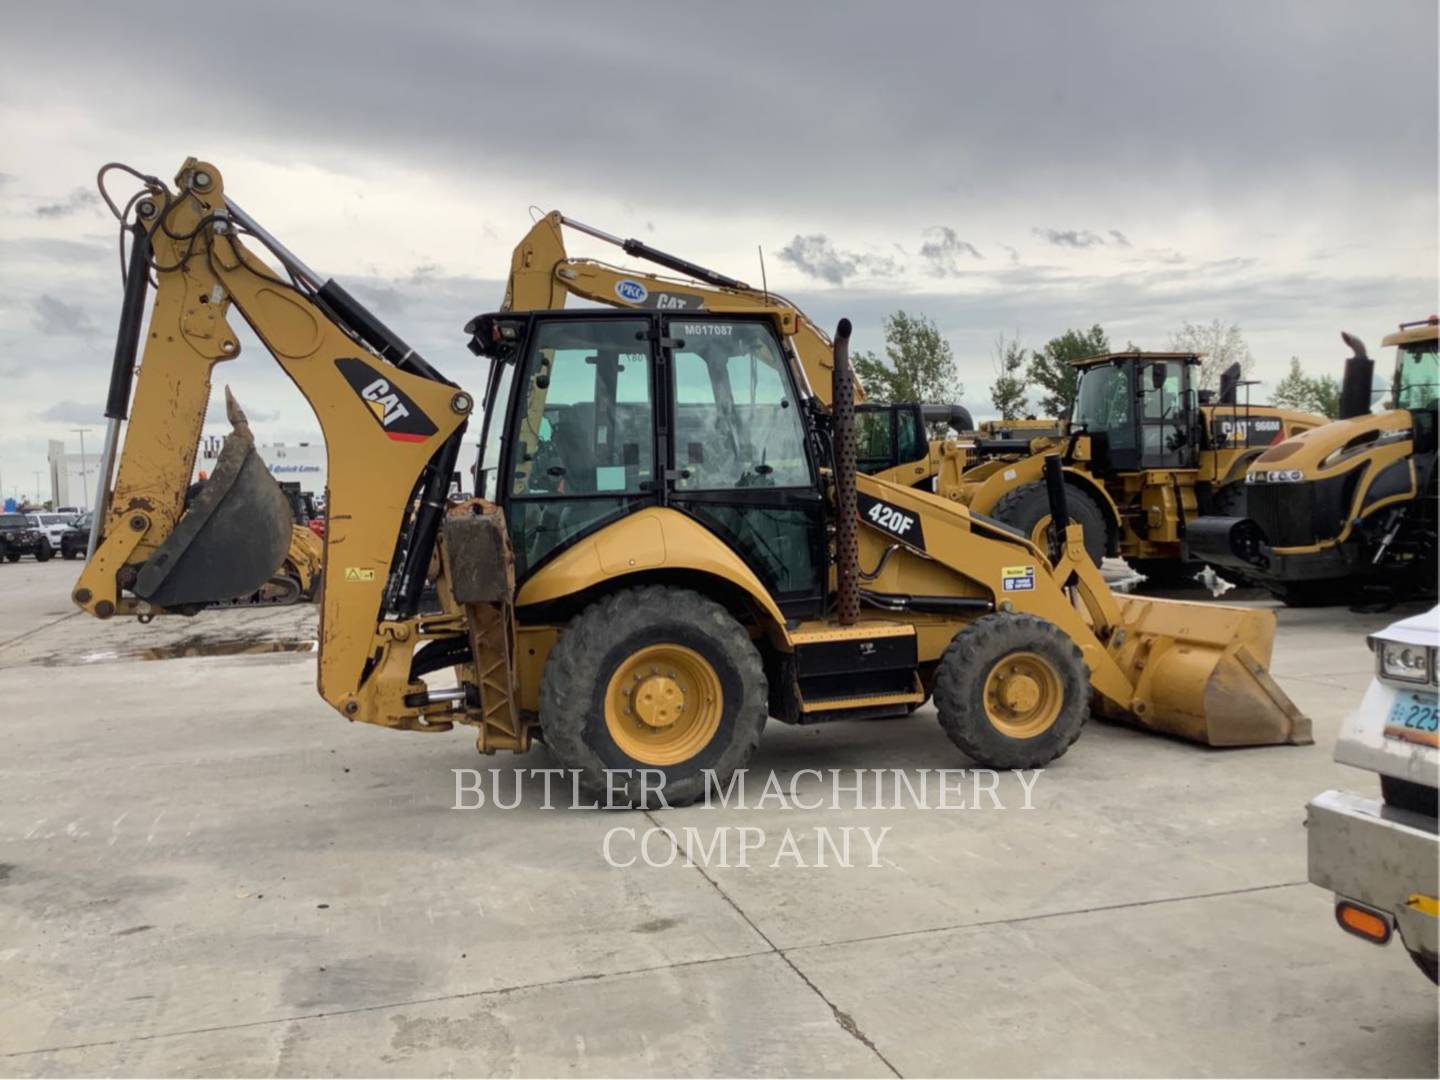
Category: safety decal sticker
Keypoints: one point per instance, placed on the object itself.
(398, 416)
(359, 573)
(1017, 578)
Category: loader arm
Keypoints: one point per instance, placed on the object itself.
(392, 428)
(542, 275)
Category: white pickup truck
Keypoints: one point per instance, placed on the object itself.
(1381, 857)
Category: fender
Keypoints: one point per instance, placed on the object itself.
(1028, 470)
(650, 540)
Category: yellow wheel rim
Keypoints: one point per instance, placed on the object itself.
(1023, 695)
(663, 704)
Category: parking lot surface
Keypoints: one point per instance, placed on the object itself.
(203, 869)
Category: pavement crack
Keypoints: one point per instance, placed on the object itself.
(845, 1021)
(384, 1006)
(42, 627)
(1018, 919)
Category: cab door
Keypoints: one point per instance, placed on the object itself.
(579, 448)
(1167, 439)
(739, 460)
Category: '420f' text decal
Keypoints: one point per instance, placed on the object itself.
(398, 416)
(901, 524)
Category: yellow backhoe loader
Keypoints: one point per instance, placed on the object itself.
(1351, 506)
(1145, 454)
(672, 543)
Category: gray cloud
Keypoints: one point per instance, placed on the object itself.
(944, 250)
(1118, 237)
(73, 412)
(79, 199)
(816, 256)
(1071, 238)
(55, 318)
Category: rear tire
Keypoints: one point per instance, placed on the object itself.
(69, 553)
(1027, 508)
(1012, 691)
(654, 678)
(13, 556)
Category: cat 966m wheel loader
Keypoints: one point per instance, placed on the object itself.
(671, 542)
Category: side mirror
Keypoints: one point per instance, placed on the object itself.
(1157, 376)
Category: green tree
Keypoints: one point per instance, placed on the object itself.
(1008, 391)
(1052, 369)
(1299, 391)
(1218, 346)
(919, 364)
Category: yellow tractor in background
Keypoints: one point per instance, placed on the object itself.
(1145, 453)
(672, 543)
(1348, 507)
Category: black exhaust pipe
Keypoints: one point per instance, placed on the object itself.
(1359, 375)
(847, 544)
(1229, 383)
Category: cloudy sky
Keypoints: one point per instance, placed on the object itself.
(1013, 167)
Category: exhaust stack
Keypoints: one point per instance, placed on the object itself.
(842, 418)
(1359, 374)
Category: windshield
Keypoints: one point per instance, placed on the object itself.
(1102, 400)
(1417, 373)
(54, 519)
(13, 521)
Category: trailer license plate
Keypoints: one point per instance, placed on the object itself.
(1414, 718)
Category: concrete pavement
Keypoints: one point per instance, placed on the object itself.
(205, 870)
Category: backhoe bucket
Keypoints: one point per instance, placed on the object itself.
(1200, 672)
(231, 539)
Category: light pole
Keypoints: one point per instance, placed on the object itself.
(84, 479)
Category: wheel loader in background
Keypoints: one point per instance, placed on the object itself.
(672, 543)
(1350, 506)
(1145, 454)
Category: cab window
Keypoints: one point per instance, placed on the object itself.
(584, 418)
(737, 423)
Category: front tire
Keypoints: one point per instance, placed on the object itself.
(654, 678)
(1027, 508)
(44, 551)
(1012, 691)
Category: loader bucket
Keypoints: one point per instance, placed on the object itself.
(231, 539)
(1200, 672)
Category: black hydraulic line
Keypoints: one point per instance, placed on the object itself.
(1059, 506)
(375, 333)
(935, 605)
(440, 653)
(638, 250)
(427, 525)
(132, 313)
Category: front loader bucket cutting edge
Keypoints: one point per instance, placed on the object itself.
(1200, 672)
(233, 537)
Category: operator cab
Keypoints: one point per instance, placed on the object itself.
(592, 415)
(1139, 411)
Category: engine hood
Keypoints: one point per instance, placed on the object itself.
(1338, 444)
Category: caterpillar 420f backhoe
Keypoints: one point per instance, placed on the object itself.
(672, 543)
